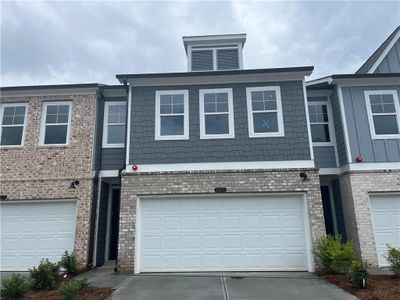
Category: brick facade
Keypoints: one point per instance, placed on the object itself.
(239, 181)
(35, 172)
(355, 187)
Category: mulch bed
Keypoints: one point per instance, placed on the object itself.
(94, 293)
(381, 287)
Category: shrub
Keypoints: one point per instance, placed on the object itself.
(68, 262)
(393, 257)
(14, 288)
(335, 256)
(358, 274)
(45, 276)
(70, 290)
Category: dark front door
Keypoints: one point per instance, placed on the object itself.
(326, 203)
(114, 225)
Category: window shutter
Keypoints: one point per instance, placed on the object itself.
(228, 59)
(202, 60)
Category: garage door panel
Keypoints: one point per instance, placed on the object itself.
(35, 230)
(222, 233)
(385, 214)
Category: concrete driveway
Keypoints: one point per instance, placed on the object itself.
(228, 287)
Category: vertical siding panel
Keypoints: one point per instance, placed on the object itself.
(351, 124)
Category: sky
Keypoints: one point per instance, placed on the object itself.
(92, 41)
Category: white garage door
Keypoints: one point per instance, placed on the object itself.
(385, 211)
(222, 233)
(34, 230)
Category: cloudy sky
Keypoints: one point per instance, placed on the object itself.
(77, 42)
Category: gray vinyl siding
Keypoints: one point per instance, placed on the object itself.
(391, 62)
(316, 98)
(361, 143)
(337, 199)
(338, 125)
(202, 60)
(227, 59)
(112, 158)
(324, 157)
(102, 225)
(108, 158)
(146, 150)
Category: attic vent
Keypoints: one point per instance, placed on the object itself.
(228, 59)
(202, 60)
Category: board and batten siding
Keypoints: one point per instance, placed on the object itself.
(324, 156)
(145, 149)
(108, 158)
(338, 125)
(391, 62)
(361, 143)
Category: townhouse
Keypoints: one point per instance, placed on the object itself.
(219, 168)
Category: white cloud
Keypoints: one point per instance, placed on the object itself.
(70, 42)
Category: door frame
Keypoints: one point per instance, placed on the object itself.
(307, 227)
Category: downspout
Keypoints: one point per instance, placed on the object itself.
(97, 186)
(127, 88)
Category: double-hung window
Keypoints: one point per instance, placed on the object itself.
(172, 115)
(383, 114)
(114, 124)
(319, 122)
(216, 114)
(13, 120)
(264, 112)
(56, 123)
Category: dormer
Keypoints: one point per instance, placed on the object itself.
(214, 52)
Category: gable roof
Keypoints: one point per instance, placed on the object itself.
(374, 60)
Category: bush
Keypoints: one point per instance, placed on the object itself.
(70, 290)
(335, 256)
(393, 257)
(358, 274)
(14, 288)
(68, 262)
(45, 276)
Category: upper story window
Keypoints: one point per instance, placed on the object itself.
(216, 58)
(114, 124)
(319, 122)
(13, 122)
(383, 114)
(56, 123)
(264, 111)
(172, 115)
(216, 114)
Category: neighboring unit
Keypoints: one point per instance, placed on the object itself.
(357, 146)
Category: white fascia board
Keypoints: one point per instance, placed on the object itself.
(218, 79)
(289, 164)
(327, 80)
(108, 173)
(329, 171)
(384, 53)
(370, 166)
(50, 92)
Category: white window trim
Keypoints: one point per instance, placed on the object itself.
(185, 136)
(330, 123)
(281, 128)
(230, 113)
(43, 123)
(2, 106)
(107, 105)
(367, 95)
(214, 56)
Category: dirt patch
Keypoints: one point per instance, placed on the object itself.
(85, 293)
(381, 287)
